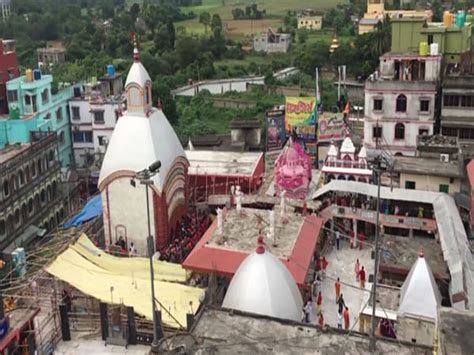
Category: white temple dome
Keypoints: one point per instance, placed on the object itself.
(137, 142)
(362, 153)
(137, 75)
(419, 294)
(332, 151)
(263, 285)
(347, 146)
(142, 135)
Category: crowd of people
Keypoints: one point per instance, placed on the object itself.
(185, 236)
(370, 203)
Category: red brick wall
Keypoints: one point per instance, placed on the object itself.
(161, 220)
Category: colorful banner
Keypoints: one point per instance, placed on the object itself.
(331, 127)
(276, 135)
(300, 117)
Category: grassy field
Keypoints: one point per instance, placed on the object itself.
(275, 12)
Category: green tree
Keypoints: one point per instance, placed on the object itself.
(187, 50)
(216, 22)
(205, 19)
(303, 34)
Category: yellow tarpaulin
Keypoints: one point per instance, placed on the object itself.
(96, 273)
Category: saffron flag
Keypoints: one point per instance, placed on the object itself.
(300, 117)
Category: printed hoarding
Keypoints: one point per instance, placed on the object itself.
(276, 135)
(331, 127)
(300, 117)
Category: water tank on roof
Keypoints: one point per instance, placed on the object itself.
(460, 19)
(29, 75)
(434, 49)
(37, 74)
(447, 19)
(110, 70)
(424, 48)
(14, 112)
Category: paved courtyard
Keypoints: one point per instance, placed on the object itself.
(97, 347)
(341, 264)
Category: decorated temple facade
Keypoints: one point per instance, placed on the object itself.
(293, 172)
(346, 164)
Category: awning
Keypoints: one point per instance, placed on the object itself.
(26, 237)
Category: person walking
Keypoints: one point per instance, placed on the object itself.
(357, 269)
(338, 237)
(325, 264)
(316, 284)
(341, 304)
(337, 286)
(362, 277)
(307, 311)
(346, 318)
(339, 320)
(321, 319)
(319, 302)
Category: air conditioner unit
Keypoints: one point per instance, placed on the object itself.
(444, 158)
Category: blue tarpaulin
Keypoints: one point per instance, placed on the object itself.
(92, 209)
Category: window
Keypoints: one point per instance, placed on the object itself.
(61, 137)
(424, 105)
(102, 140)
(377, 132)
(399, 131)
(449, 131)
(423, 132)
(17, 217)
(451, 100)
(410, 185)
(467, 101)
(11, 74)
(75, 113)
(30, 206)
(21, 177)
(444, 188)
(43, 196)
(378, 104)
(2, 226)
(3, 103)
(98, 116)
(45, 96)
(401, 103)
(12, 95)
(82, 137)
(59, 114)
(430, 39)
(47, 117)
(6, 188)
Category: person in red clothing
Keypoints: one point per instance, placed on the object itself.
(321, 319)
(337, 285)
(319, 302)
(362, 277)
(346, 318)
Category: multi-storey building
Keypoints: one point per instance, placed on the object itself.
(30, 194)
(8, 70)
(6, 10)
(93, 116)
(376, 13)
(34, 107)
(400, 102)
(272, 42)
(54, 53)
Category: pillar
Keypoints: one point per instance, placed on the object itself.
(354, 226)
(66, 332)
(104, 320)
(161, 220)
(132, 326)
(410, 233)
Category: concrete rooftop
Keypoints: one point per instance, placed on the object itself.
(221, 331)
(404, 252)
(456, 330)
(240, 231)
(425, 166)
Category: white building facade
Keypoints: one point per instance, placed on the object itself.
(93, 116)
(400, 103)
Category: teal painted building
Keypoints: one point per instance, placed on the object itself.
(34, 107)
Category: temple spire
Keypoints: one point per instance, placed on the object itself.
(136, 52)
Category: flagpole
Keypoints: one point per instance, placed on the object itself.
(318, 98)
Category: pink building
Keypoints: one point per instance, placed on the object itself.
(346, 164)
(293, 172)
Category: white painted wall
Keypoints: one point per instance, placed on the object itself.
(411, 328)
(127, 206)
(413, 119)
(430, 183)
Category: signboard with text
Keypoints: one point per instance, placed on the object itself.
(331, 127)
(300, 117)
(276, 135)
